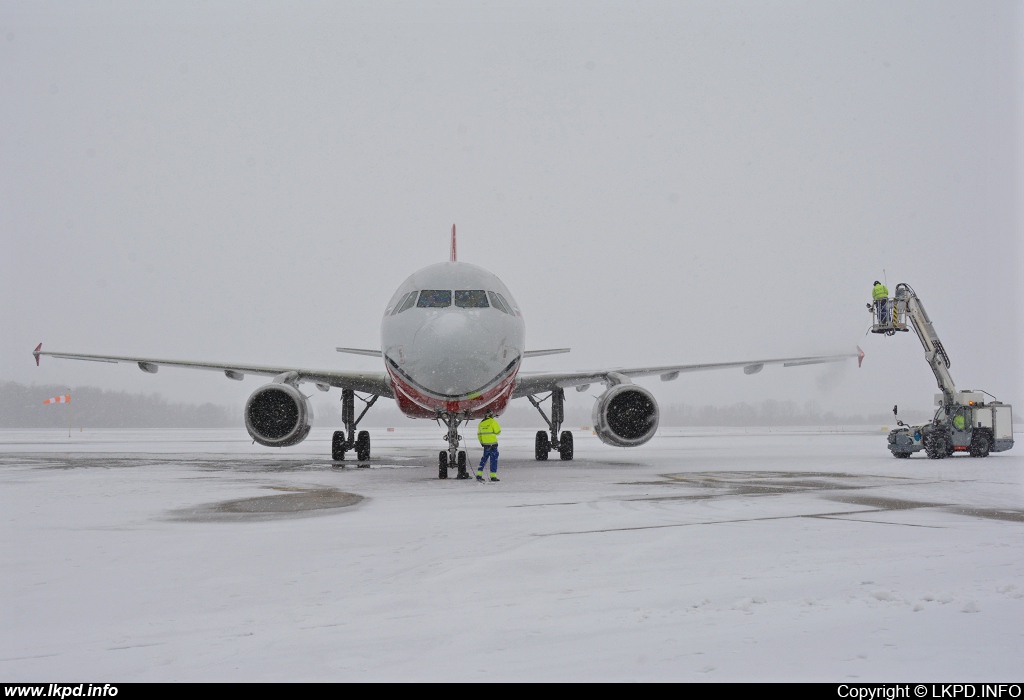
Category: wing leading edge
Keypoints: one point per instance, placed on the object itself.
(529, 384)
(368, 382)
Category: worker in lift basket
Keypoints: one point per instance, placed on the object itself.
(487, 432)
(880, 294)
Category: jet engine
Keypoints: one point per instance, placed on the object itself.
(625, 416)
(278, 415)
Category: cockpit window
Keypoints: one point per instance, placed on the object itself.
(511, 309)
(471, 299)
(434, 298)
(407, 301)
(392, 310)
(497, 303)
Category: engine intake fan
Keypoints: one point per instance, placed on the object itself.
(278, 415)
(626, 416)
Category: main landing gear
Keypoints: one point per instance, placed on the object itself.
(543, 444)
(340, 443)
(453, 457)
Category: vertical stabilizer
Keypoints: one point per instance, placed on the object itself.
(453, 244)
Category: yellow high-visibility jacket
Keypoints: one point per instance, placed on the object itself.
(488, 431)
(880, 291)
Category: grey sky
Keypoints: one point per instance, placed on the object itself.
(668, 182)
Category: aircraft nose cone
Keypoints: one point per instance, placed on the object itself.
(452, 354)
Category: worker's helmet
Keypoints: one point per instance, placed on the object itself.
(877, 282)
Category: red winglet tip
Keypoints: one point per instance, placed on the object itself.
(35, 353)
(860, 356)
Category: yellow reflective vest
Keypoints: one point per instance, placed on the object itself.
(488, 431)
(880, 291)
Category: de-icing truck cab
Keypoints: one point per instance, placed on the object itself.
(965, 420)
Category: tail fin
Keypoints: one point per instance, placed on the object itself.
(453, 244)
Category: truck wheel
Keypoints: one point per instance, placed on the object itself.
(900, 455)
(935, 445)
(980, 444)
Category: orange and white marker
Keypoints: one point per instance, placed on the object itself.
(65, 398)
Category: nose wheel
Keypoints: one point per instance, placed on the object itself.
(452, 457)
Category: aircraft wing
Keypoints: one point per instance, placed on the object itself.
(368, 382)
(533, 383)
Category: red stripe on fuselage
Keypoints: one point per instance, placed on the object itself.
(416, 404)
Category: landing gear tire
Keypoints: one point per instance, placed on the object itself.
(541, 446)
(565, 446)
(935, 446)
(363, 446)
(338, 446)
(463, 474)
(981, 445)
(442, 465)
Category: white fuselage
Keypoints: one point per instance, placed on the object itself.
(453, 339)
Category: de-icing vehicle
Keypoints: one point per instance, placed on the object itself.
(965, 421)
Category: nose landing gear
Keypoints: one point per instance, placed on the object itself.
(452, 457)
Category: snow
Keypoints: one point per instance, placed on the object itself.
(704, 555)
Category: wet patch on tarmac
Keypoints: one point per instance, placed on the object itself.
(701, 486)
(1008, 514)
(774, 483)
(885, 502)
(208, 463)
(295, 502)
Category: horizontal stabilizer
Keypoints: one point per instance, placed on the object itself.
(359, 351)
(538, 353)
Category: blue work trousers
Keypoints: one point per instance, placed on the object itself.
(490, 453)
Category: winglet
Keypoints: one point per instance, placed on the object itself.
(860, 356)
(35, 353)
(453, 244)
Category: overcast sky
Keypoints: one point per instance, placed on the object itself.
(655, 182)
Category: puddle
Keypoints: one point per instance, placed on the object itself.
(294, 503)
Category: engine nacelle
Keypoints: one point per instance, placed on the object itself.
(626, 416)
(278, 415)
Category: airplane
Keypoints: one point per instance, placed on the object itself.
(453, 341)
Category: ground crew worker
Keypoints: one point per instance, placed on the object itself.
(958, 421)
(880, 294)
(487, 432)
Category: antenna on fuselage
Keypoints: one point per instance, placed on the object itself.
(453, 243)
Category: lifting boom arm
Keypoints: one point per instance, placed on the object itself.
(907, 302)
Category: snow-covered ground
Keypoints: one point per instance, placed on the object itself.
(704, 555)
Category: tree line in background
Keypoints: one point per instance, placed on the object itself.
(22, 406)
